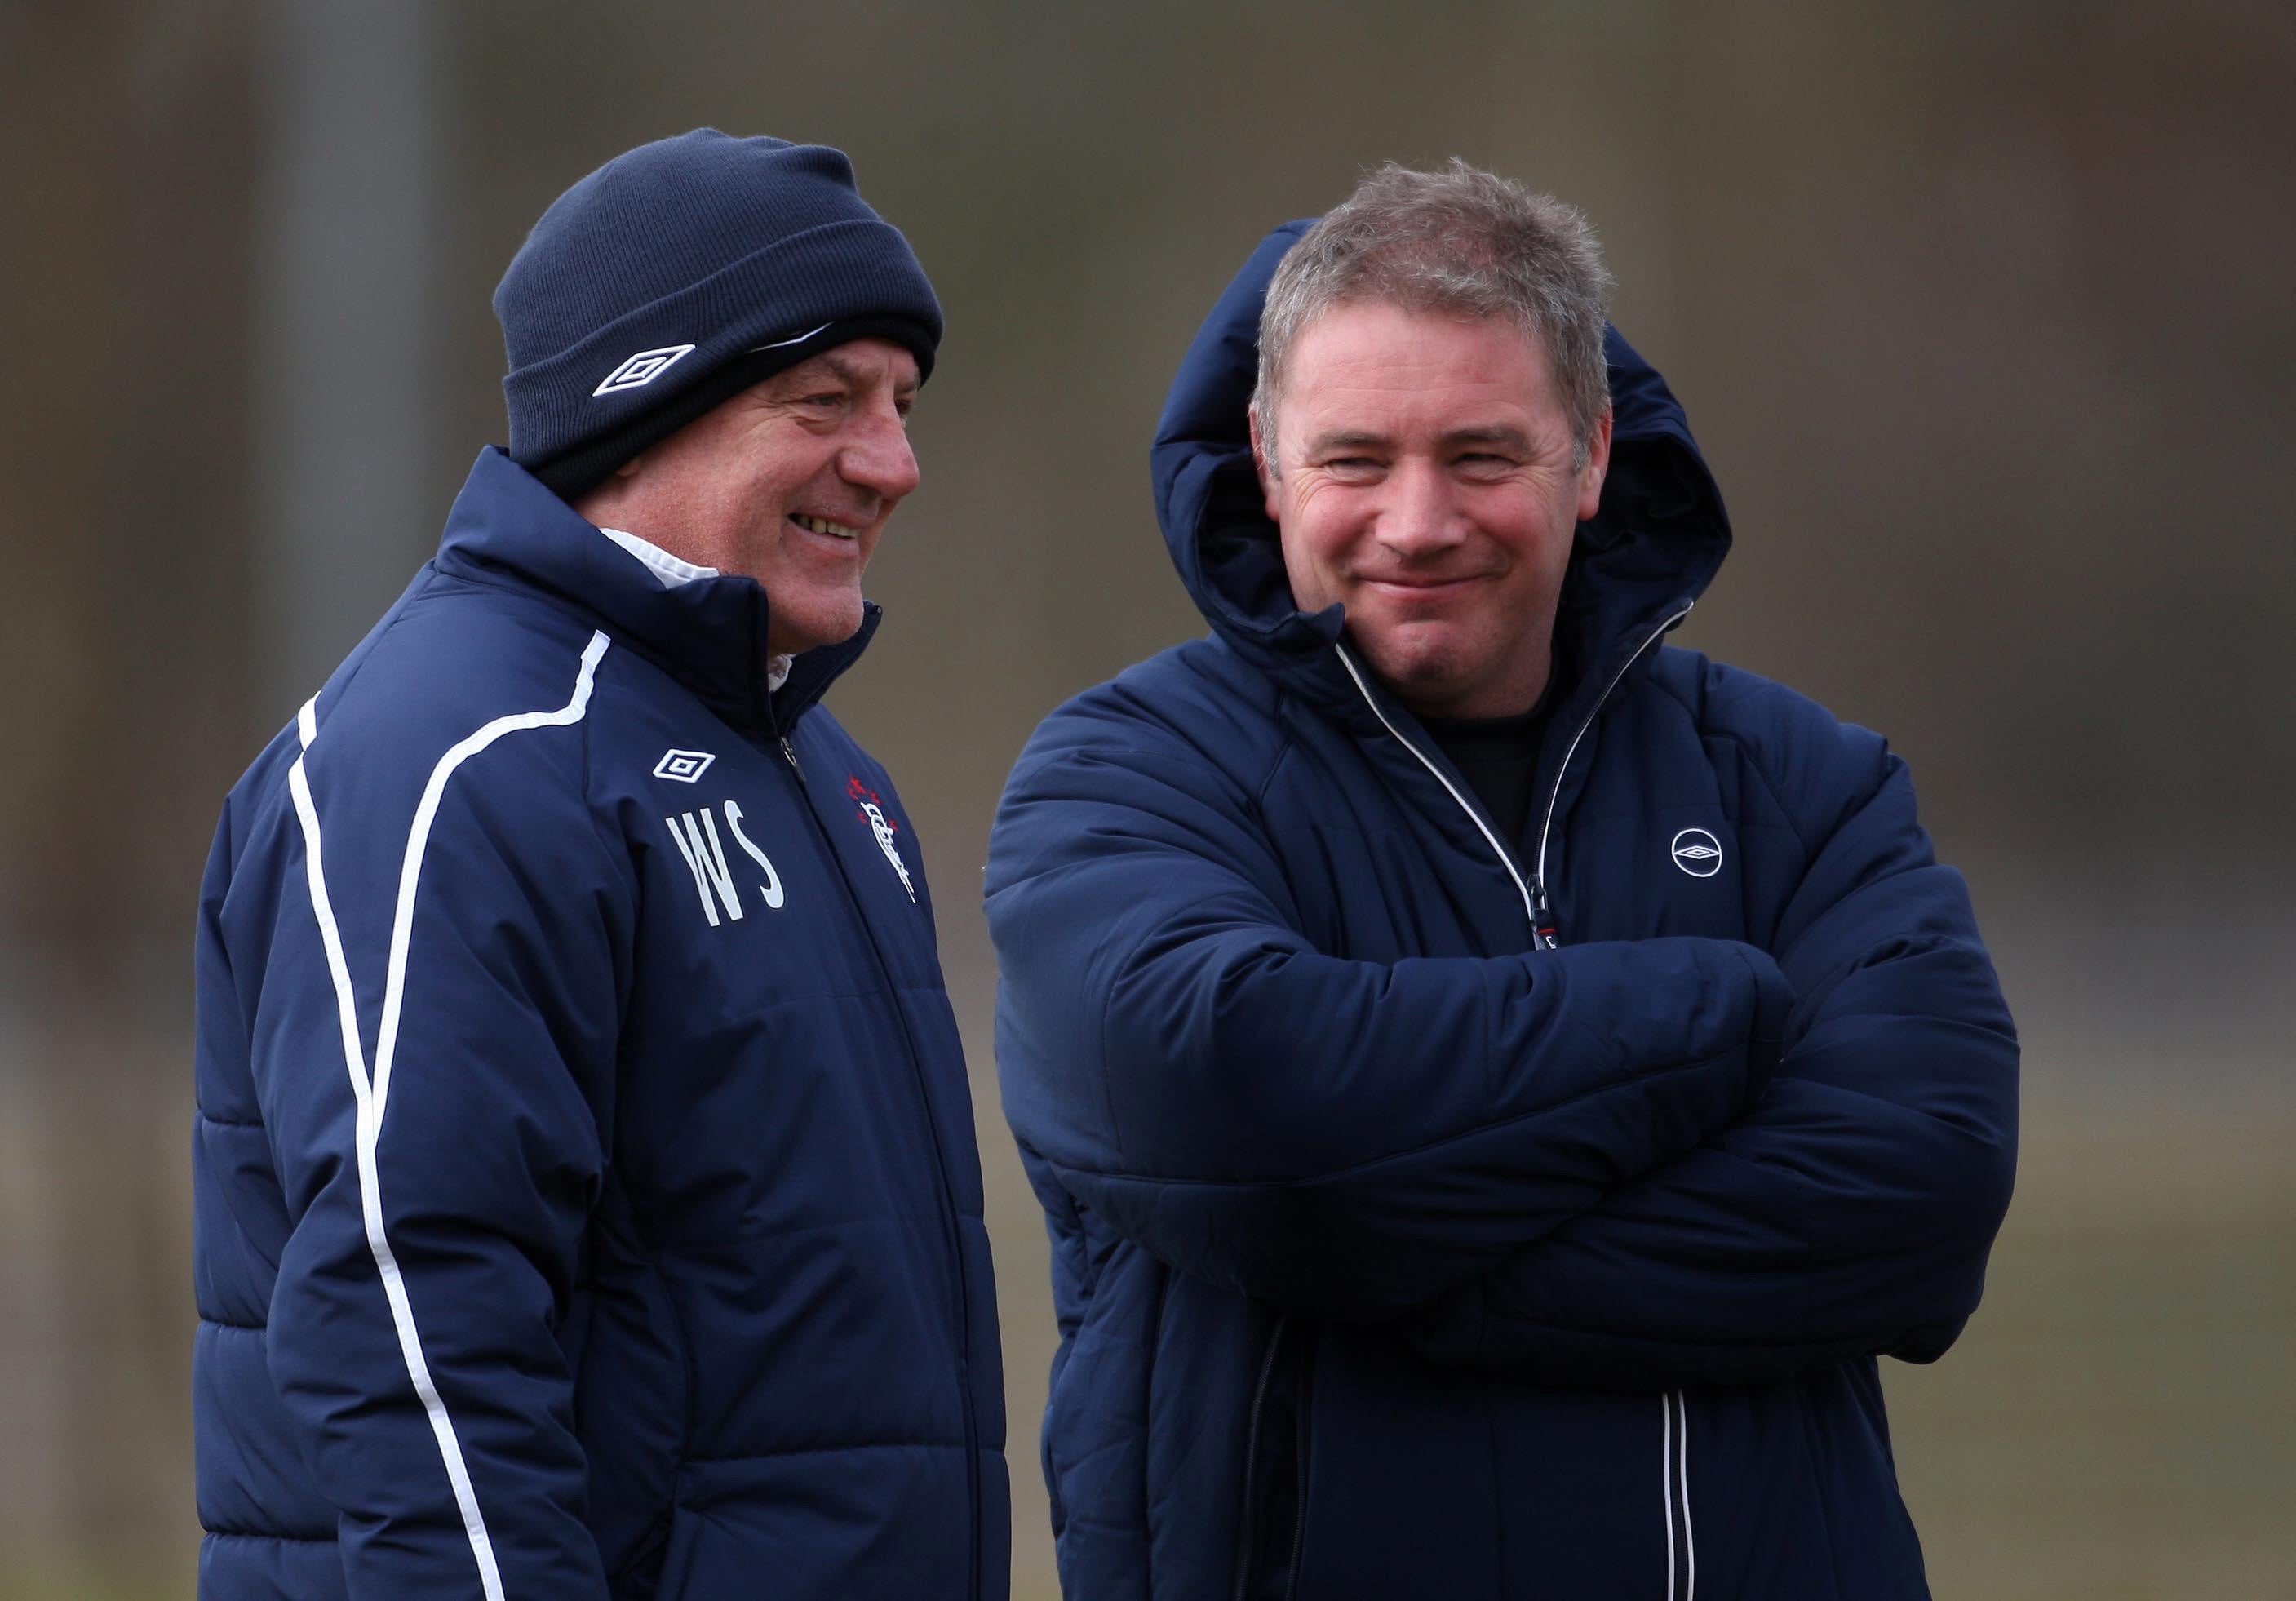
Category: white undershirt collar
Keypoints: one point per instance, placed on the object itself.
(669, 572)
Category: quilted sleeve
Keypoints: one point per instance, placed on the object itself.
(1849, 1209)
(1345, 1137)
(433, 1016)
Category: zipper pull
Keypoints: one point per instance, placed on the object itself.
(1542, 919)
(790, 756)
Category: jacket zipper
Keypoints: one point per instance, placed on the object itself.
(1542, 919)
(1506, 858)
(1535, 906)
(1538, 908)
(950, 1227)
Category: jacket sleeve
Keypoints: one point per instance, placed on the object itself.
(432, 1044)
(1345, 1137)
(1849, 1211)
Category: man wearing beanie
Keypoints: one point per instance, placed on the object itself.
(587, 1198)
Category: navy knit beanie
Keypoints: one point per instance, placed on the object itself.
(678, 274)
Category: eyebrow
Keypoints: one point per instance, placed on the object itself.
(852, 376)
(1493, 434)
(1345, 439)
(1358, 439)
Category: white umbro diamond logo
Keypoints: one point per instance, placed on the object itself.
(686, 767)
(1697, 853)
(641, 369)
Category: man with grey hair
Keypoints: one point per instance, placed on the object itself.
(1485, 1073)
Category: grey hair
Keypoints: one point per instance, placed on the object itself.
(1460, 242)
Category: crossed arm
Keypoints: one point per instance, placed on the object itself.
(1591, 1165)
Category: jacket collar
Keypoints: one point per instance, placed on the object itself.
(710, 634)
(1656, 543)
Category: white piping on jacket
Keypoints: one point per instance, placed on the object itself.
(1674, 1444)
(1666, 1482)
(1674, 1490)
(1682, 1477)
(1506, 860)
(372, 1096)
(1554, 796)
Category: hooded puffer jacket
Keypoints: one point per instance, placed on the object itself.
(586, 1202)
(1439, 1213)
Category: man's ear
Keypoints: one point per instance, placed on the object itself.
(1597, 467)
(1262, 466)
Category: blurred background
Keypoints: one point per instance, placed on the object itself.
(1982, 313)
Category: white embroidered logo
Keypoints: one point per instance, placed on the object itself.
(686, 767)
(1697, 853)
(640, 369)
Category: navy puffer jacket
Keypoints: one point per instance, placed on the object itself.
(1401, 1251)
(586, 1196)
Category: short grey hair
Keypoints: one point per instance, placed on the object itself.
(1459, 242)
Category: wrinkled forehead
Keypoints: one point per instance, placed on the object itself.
(1379, 353)
(858, 364)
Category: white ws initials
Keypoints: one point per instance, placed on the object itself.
(696, 835)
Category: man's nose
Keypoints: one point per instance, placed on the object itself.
(878, 457)
(1420, 517)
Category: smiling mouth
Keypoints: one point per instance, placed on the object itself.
(1422, 585)
(822, 525)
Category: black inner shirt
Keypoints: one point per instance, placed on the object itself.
(1499, 756)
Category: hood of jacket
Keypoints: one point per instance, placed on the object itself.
(1646, 555)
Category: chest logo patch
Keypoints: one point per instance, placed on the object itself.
(686, 767)
(873, 812)
(1697, 853)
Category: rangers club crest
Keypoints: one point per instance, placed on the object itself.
(872, 813)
